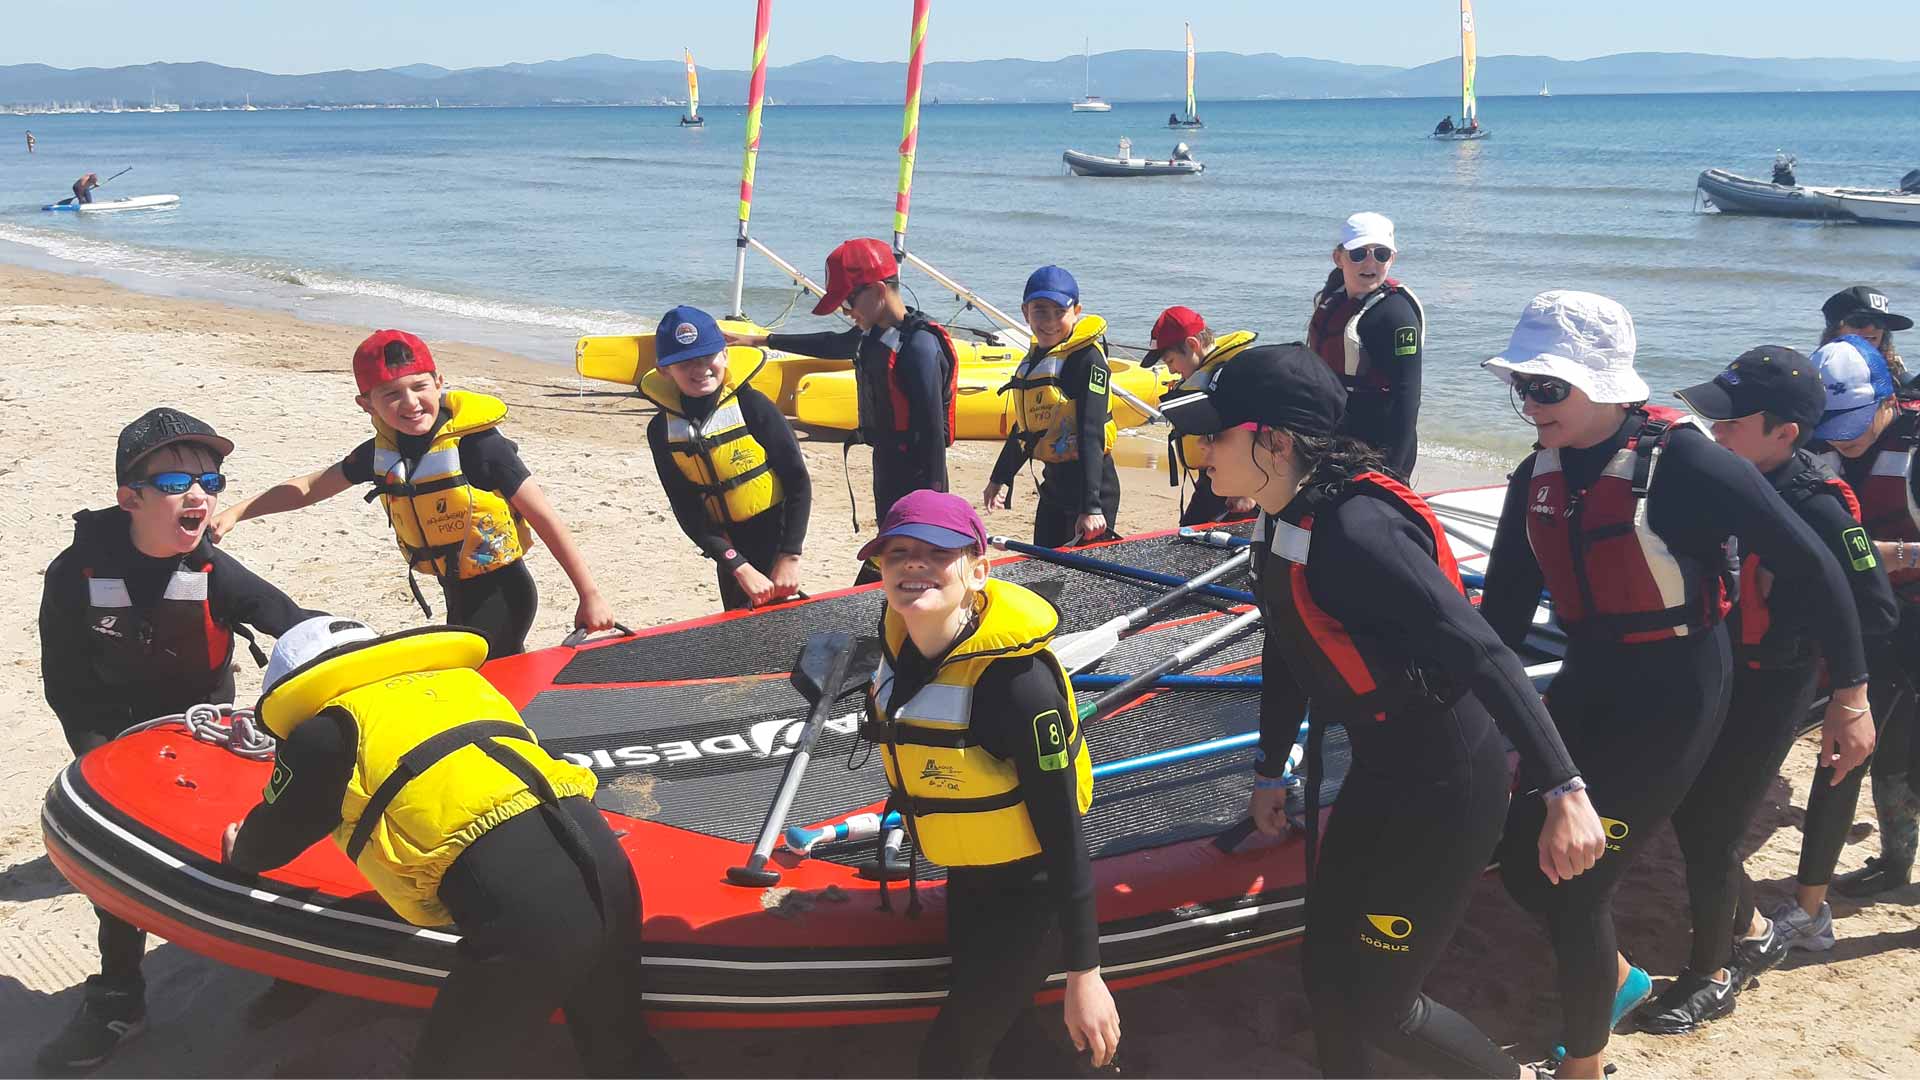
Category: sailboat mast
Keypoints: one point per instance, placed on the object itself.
(756, 97)
(1086, 68)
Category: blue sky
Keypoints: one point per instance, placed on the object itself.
(289, 37)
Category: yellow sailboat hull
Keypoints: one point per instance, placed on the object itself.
(827, 399)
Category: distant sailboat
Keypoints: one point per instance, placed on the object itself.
(1193, 115)
(1087, 102)
(1544, 92)
(692, 119)
(1469, 125)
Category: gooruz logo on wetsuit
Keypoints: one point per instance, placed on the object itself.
(1616, 830)
(761, 742)
(1396, 927)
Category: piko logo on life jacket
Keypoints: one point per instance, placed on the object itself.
(1190, 451)
(1759, 642)
(1887, 506)
(719, 455)
(1612, 577)
(1334, 333)
(962, 803)
(884, 417)
(440, 758)
(1048, 418)
(446, 526)
(1346, 671)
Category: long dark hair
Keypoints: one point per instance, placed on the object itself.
(1331, 459)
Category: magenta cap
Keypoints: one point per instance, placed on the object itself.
(939, 518)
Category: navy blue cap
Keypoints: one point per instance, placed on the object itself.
(1052, 283)
(686, 333)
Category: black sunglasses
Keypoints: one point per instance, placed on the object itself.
(1359, 254)
(1542, 390)
(177, 483)
(1861, 319)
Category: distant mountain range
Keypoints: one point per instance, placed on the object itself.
(1131, 75)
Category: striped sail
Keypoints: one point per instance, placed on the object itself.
(1469, 59)
(693, 86)
(1190, 103)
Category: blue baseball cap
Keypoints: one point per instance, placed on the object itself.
(686, 333)
(1857, 381)
(1052, 283)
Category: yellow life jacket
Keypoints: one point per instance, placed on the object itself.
(446, 526)
(1048, 418)
(441, 757)
(1191, 450)
(964, 803)
(719, 455)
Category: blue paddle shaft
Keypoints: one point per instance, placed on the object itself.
(1103, 566)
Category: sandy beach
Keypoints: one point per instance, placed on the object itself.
(82, 358)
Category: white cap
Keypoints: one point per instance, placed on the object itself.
(1581, 338)
(305, 641)
(1367, 228)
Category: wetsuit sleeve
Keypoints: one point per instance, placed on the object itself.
(1030, 687)
(921, 369)
(827, 345)
(239, 596)
(1391, 333)
(684, 498)
(1095, 394)
(775, 436)
(1013, 455)
(1702, 492)
(1380, 575)
(357, 466)
(301, 803)
(491, 461)
(1873, 599)
(88, 717)
(1514, 578)
(1283, 705)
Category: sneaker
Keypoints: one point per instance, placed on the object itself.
(88, 1039)
(1876, 877)
(1808, 933)
(1753, 957)
(1690, 1001)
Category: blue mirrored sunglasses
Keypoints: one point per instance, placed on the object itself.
(177, 483)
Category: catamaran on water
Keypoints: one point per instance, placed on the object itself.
(692, 119)
(1469, 125)
(1193, 115)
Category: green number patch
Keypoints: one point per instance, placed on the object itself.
(1050, 740)
(1859, 548)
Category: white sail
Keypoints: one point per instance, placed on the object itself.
(1191, 110)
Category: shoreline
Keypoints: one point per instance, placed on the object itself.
(86, 356)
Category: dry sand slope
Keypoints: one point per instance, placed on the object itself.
(82, 358)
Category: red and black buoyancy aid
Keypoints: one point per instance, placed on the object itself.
(1887, 506)
(1759, 642)
(884, 417)
(171, 637)
(1612, 577)
(1333, 333)
(1349, 670)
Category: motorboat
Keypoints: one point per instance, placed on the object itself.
(1873, 207)
(1089, 102)
(1181, 163)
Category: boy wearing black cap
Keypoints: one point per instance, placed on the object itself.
(728, 460)
(1764, 407)
(137, 620)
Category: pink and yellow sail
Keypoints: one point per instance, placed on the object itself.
(1191, 109)
(1469, 60)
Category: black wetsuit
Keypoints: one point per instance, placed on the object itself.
(1383, 407)
(1087, 485)
(1421, 809)
(533, 938)
(1641, 718)
(779, 530)
(1774, 683)
(105, 673)
(1010, 926)
(499, 605)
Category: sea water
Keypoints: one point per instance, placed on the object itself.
(523, 228)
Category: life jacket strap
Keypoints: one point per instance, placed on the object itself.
(421, 758)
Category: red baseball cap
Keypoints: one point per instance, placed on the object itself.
(1175, 325)
(861, 261)
(387, 355)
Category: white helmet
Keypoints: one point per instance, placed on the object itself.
(307, 640)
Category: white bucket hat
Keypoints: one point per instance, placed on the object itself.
(1581, 338)
(306, 640)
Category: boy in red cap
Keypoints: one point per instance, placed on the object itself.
(456, 493)
(1182, 339)
(904, 367)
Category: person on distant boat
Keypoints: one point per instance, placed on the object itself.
(1173, 119)
(83, 188)
(728, 461)
(1126, 148)
(1445, 126)
(1061, 413)
(29, 142)
(906, 372)
(1182, 339)
(1473, 125)
(1783, 164)
(1370, 330)
(1865, 312)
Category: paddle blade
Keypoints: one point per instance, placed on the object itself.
(1079, 651)
(814, 670)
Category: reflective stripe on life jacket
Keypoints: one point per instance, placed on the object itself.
(1355, 673)
(884, 418)
(964, 804)
(1334, 332)
(170, 639)
(1887, 506)
(719, 455)
(1758, 641)
(1612, 577)
(1048, 417)
(446, 526)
